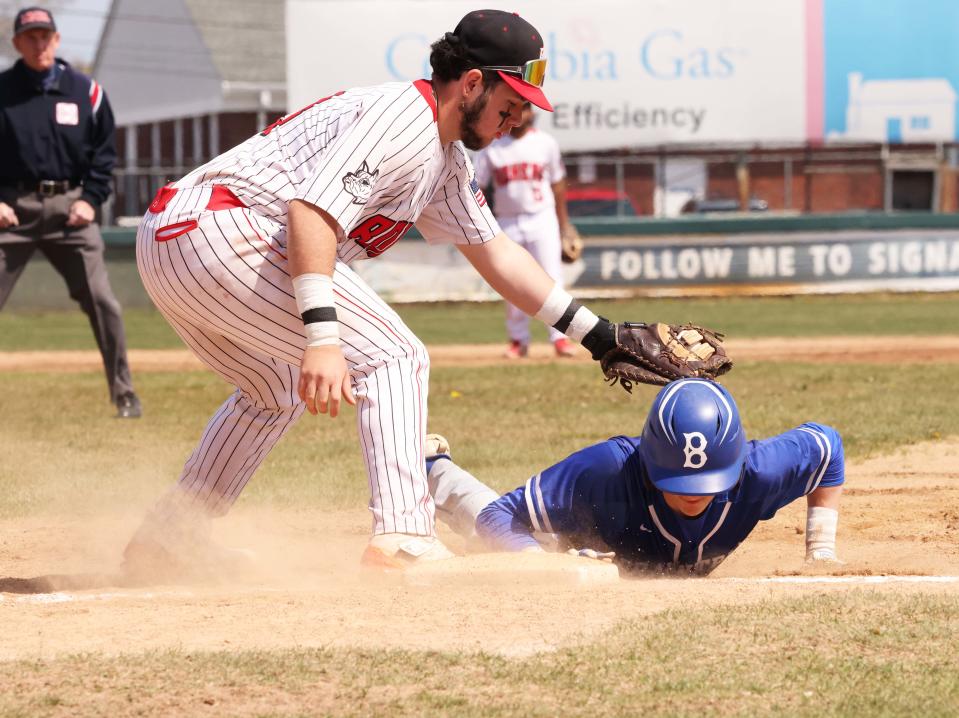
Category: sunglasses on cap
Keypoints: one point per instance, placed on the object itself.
(533, 72)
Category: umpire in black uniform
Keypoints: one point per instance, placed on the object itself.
(56, 157)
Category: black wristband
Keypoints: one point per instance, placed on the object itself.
(319, 314)
(562, 324)
(601, 338)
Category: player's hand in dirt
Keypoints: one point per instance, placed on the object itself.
(324, 380)
(8, 218)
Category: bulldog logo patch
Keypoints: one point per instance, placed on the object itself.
(360, 183)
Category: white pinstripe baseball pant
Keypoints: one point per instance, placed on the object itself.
(224, 286)
(539, 235)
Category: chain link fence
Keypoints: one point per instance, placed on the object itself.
(670, 183)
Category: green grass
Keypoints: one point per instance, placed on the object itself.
(39, 331)
(867, 314)
(64, 451)
(854, 653)
(821, 654)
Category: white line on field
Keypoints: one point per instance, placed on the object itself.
(846, 579)
(60, 597)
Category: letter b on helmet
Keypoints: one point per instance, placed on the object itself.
(695, 450)
(693, 441)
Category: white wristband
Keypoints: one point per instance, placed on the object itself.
(821, 531)
(583, 321)
(320, 334)
(314, 301)
(554, 306)
(565, 314)
(312, 291)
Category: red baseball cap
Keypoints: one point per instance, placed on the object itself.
(505, 42)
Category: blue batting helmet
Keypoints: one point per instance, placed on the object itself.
(693, 442)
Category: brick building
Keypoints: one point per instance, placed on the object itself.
(814, 179)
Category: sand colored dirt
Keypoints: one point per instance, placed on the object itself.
(900, 517)
(940, 348)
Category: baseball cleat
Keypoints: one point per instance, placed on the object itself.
(516, 350)
(147, 560)
(564, 348)
(396, 551)
(436, 446)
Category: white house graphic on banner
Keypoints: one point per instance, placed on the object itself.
(919, 110)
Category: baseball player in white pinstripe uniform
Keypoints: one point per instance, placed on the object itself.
(247, 257)
(529, 200)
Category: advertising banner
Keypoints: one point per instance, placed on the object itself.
(629, 73)
(793, 263)
(621, 72)
(827, 261)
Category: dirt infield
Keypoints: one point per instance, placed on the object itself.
(827, 349)
(900, 517)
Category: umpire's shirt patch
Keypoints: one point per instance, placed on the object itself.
(68, 113)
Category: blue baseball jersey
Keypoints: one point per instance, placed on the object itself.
(601, 494)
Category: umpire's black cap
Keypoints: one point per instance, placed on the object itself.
(31, 18)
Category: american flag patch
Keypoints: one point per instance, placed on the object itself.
(478, 193)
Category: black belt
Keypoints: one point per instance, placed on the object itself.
(45, 188)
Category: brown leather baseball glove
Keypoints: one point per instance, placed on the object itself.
(572, 243)
(659, 353)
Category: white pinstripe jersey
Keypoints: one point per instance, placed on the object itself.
(521, 171)
(371, 157)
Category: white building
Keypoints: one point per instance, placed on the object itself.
(896, 111)
(187, 79)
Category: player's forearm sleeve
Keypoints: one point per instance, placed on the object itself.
(821, 525)
(501, 527)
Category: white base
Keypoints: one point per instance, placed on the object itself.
(512, 568)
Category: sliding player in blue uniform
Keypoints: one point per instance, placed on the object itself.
(680, 497)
